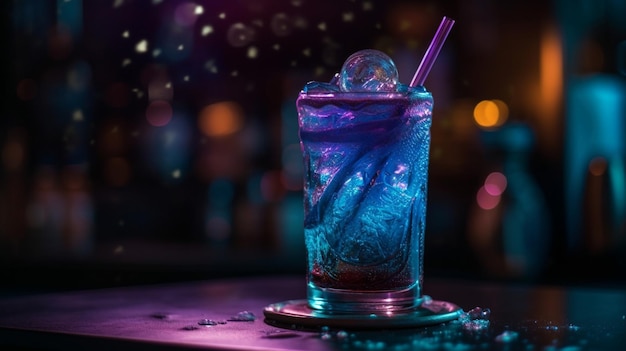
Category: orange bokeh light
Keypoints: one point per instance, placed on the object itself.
(491, 113)
(220, 119)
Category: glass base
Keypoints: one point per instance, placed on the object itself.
(295, 314)
(337, 301)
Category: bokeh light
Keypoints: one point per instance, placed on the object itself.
(79, 76)
(486, 113)
(206, 30)
(141, 46)
(495, 183)
(485, 200)
(281, 25)
(253, 52)
(160, 89)
(159, 113)
(186, 14)
(503, 111)
(221, 119)
(491, 113)
(239, 35)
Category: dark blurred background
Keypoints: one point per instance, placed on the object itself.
(147, 141)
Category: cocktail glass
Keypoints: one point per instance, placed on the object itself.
(365, 141)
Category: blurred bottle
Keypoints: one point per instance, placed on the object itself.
(604, 204)
(509, 225)
(595, 176)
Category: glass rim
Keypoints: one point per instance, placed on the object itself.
(357, 95)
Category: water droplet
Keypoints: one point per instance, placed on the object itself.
(342, 335)
(126, 62)
(207, 322)
(244, 316)
(573, 327)
(239, 35)
(325, 329)
(326, 336)
(181, 47)
(473, 324)
(279, 334)
(222, 15)
(176, 174)
(198, 10)
(126, 34)
(276, 47)
(479, 313)
(476, 325)
(322, 26)
(156, 52)
(367, 6)
(370, 345)
(507, 336)
(160, 315)
(306, 52)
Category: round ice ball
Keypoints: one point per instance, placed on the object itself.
(368, 71)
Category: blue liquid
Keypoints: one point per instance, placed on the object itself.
(366, 165)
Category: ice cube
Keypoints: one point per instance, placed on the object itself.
(379, 227)
(320, 88)
(368, 71)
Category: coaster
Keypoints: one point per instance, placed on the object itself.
(297, 313)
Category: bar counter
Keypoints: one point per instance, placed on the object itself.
(201, 315)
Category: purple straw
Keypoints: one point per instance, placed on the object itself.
(432, 52)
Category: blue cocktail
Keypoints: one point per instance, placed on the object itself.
(365, 140)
